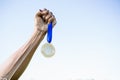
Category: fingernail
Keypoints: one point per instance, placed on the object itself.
(40, 10)
(45, 9)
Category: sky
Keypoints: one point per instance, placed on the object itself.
(86, 38)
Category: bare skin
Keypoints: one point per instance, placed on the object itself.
(16, 64)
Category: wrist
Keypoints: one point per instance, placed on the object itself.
(39, 31)
(41, 28)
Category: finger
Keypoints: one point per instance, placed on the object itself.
(39, 13)
(47, 17)
(52, 19)
(51, 13)
(45, 12)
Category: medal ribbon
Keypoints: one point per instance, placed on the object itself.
(49, 33)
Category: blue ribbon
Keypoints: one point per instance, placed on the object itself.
(49, 33)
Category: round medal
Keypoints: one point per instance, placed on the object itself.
(48, 50)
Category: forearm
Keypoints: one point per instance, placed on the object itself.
(15, 61)
(16, 64)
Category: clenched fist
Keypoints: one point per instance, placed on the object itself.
(43, 18)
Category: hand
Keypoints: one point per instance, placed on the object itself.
(43, 18)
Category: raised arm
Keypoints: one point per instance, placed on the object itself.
(15, 65)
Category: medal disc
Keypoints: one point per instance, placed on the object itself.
(48, 50)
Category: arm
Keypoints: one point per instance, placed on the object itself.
(17, 62)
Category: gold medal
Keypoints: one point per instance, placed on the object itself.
(48, 50)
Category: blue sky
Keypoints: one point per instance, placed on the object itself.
(86, 38)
